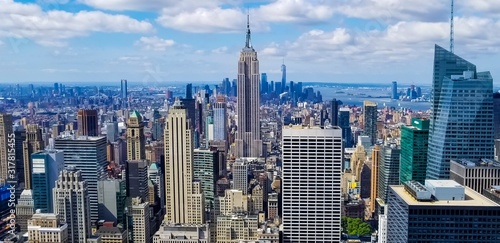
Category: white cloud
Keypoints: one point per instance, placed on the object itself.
(220, 50)
(204, 20)
(301, 11)
(55, 70)
(52, 28)
(152, 5)
(154, 43)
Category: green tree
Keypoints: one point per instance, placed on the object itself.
(354, 226)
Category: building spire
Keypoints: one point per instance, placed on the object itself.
(248, 43)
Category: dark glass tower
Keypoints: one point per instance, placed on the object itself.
(461, 121)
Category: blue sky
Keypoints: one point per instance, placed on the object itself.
(161, 41)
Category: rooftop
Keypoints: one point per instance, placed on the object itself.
(477, 163)
(472, 198)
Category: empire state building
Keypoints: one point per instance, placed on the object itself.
(248, 141)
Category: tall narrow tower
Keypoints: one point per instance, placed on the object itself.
(32, 144)
(452, 37)
(184, 200)
(136, 149)
(283, 76)
(248, 141)
(5, 135)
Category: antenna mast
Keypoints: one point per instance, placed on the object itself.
(452, 40)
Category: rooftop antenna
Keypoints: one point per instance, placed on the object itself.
(452, 40)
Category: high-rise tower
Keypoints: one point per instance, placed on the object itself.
(183, 197)
(283, 76)
(311, 200)
(136, 141)
(123, 90)
(32, 144)
(461, 121)
(5, 137)
(248, 141)
(370, 116)
(87, 123)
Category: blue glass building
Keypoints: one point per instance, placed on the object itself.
(46, 168)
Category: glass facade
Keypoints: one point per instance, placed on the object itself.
(461, 122)
(389, 168)
(414, 145)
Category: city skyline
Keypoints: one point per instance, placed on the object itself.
(146, 42)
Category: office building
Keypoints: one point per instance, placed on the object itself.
(344, 124)
(492, 193)
(87, 154)
(156, 176)
(220, 119)
(209, 125)
(389, 159)
(334, 119)
(375, 177)
(136, 141)
(272, 205)
(112, 194)
(47, 165)
(71, 203)
(19, 138)
(461, 121)
(112, 131)
(264, 86)
(47, 227)
(32, 144)
(415, 215)
(394, 91)
(140, 220)
(110, 234)
(182, 234)
(207, 172)
(137, 179)
(370, 116)
(311, 201)
(123, 90)
(414, 146)
(248, 141)
(184, 201)
(477, 174)
(233, 202)
(283, 77)
(496, 114)
(87, 123)
(25, 208)
(237, 228)
(240, 175)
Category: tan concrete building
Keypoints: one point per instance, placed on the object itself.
(136, 141)
(24, 209)
(47, 228)
(140, 220)
(237, 228)
(183, 198)
(182, 234)
(32, 144)
(112, 235)
(375, 174)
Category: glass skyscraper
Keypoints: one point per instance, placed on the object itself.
(414, 145)
(461, 122)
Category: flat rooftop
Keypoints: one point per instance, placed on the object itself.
(472, 198)
(477, 163)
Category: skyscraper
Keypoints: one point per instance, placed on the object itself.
(334, 120)
(311, 200)
(207, 172)
(112, 131)
(220, 119)
(124, 91)
(136, 141)
(137, 179)
(248, 141)
(87, 154)
(461, 121)
(140, 219)
(370, 116)
(5, 140)
(389, 158)
(345, 125)
(71, 202)
(240, 175)
(440, 211)
(87, 123)
(32, 144)
(112, 194)
(25, 209)
(264, 87)
(184, 202)
(283, 77)
(414, 145)
(375, 175)
(394, 90)
(47, 165)
(47, 227)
